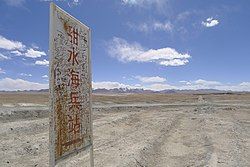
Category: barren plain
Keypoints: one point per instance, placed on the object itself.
(135, 130)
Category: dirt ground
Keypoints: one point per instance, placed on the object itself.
(135, 130)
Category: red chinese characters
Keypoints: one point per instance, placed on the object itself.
(74, 78)
(74, 124)
(74, 103)
(73, 35)
(73, 56)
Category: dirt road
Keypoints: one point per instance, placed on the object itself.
(203, 133)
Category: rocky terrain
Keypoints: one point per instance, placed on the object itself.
(140, 130)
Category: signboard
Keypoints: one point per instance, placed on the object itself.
(70, 86)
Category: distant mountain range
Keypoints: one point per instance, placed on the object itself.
(167, 91)
(127, 90)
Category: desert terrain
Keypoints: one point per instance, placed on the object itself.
(135, 130)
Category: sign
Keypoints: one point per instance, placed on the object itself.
(70, 86)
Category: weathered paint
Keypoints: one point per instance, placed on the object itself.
(70, 86)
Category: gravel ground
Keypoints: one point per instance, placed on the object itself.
(207, 132)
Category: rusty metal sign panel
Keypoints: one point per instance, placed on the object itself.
(70, 86)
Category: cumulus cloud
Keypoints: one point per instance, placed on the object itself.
(2, 71)
(75, 2)
(116, 85)
(18, 49)
(25, 75)
(110, 85)
(34, 45)
(34, 53)
(245, 86)
(129, 52)
(145, 3)
(9, 84)
(155, 79)
(3, 57)
(45, 76)
(16, 52)
(185, 82)
(207, 83)
(174, 62)
(44, 62)
(70, 3)
(152, 26)
(10, 44)
(201, 84)
(210, 22)
(185, 85)
(132, 2)
(159, 87)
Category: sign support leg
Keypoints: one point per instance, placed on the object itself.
(91, 156)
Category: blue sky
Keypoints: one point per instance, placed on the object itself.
(150, 44)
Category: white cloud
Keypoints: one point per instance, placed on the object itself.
(159, 87)
(152, 26)
(185, 82)
(183, 15)
(74, 3)
(187, 85)
(34, 53)
(155, 79)
(145, 3)
(201, 84)
(34, 45)
(163, 26)
(16, 52)
(45, 76)
(2, 71)
(15, 3)
(10, 44)
(15, 47)
(70, 3)
(245, 84)
(43, 62)
(131, 2)
(174, 62)
(207, 83)
(3, 57)
(116, 85)
(210, 22)
(125, 52)
(25, 75)
(109, 85)
(9, 84)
